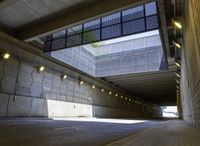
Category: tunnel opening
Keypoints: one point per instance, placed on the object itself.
(170, 111)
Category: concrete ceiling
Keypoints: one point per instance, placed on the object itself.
(30, 19)
(16, 14)
(158, 87)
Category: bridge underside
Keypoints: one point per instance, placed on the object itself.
(99, 72)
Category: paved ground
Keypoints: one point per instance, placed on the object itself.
(169, 133)
(72, 132)
(97, 132)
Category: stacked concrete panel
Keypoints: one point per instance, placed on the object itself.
(190, 83)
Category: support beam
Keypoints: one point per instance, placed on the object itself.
(73, 17)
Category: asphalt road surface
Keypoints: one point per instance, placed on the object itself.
(68, 132)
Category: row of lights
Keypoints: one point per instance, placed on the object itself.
(178, 45)
(177, 25)
(41, 69)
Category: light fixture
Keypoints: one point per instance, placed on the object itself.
(177, 24)
(125, 98)
(178, 64)
(121, 97)
(6, 56)
(81, 82)
(178, 75)
(110, 93)
(129, 99)
(64, 77)
(177, 44)
(41, 68)
(116, 94)
(102, 90)
(93, 86)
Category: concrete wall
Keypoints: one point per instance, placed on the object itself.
(77, 57)
(26, 92)
(134, 61)
(141, 54)
(190, 80)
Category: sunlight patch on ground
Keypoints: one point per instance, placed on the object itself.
(117, 121)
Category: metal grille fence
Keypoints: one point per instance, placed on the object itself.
(131, 21)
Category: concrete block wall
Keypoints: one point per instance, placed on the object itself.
(190, 80)
(24, 92)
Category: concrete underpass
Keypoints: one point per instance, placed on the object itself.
(99, 73)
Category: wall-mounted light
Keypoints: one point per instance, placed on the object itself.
(6, 56)
(81, 82)
(40, 68)
(116, 94)
(178, 75)
(177, 24)
(64, 77)
(110, 93)
(102, 90)
(93, 86)
(178, 64)
(177, 44)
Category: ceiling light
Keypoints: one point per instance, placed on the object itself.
(178, 45)
(6, 56)
(121, 97)
(110, 92)
(177, 24)
(102, 90)
(178, 75)
(93, 86)
(178, 64)
(116, 94)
